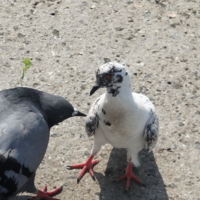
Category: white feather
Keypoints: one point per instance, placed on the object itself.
(127, 114)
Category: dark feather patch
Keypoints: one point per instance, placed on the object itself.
(151, 131)
(26, 172)
(113, 91)
(119, 78)
(10, 183)
(104, 112)
(91, 124)
(107, 123)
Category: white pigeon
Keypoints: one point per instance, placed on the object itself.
(26, 116)
(120, 117)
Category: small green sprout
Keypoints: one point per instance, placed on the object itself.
(27, 62)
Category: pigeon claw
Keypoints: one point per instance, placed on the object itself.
(78, 180)
(46, 195)
(93, 177)
(69, 167)
(129, 175)
(86, 167)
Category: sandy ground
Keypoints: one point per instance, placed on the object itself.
(67, 40)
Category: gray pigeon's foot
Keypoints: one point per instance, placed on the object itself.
(86, 166)
(43, 194)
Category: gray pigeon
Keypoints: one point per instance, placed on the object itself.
(120, 117)
(26, 116)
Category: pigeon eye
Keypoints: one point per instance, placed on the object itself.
(107, 77)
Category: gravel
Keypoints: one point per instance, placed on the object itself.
(67, 41)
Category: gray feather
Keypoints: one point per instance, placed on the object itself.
(26, 116)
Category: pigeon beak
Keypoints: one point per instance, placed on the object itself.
(77, 113)
(95, 87)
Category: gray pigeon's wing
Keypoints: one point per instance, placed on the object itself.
(92, 120)
(151, 130)
(29, 186)
(23, 141)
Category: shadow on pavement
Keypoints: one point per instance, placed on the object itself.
(23, 197)
(148, 173)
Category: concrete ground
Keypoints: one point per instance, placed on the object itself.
(67, 40)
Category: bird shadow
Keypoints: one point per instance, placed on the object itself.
(23, 197)
(148, 173)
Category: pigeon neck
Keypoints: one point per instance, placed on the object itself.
(119, 89)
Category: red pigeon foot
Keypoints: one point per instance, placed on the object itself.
(129, 175)
(46, 195)
(87, 166)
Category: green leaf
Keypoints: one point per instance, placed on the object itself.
(27, 62)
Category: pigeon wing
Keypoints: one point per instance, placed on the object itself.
(23, 142)
(151, 131)
(92, 120)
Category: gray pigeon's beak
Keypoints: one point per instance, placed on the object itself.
(95, 87)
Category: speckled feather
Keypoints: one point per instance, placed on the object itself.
(120, 117)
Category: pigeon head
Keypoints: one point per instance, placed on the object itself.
(112, 76)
